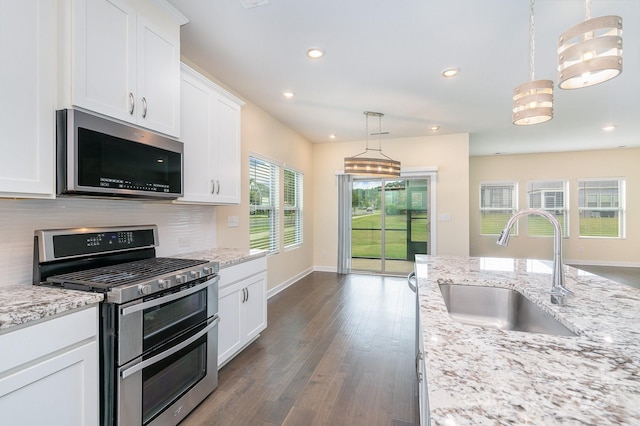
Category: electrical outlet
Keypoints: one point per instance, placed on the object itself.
(232, 221)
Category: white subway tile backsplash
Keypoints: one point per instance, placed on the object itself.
(181, 228)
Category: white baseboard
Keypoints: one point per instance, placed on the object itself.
(280, 287)
(325, 269)
(602, 263)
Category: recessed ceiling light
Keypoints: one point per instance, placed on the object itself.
(450, 72)
(288, 94)
(608, 128)
(248, 4)
(332, 136)
(315, 53)
(434, 128)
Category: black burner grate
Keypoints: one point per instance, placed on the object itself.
(125, 273)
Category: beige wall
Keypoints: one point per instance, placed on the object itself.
(450, 154)
(267, 137)
(571, 166)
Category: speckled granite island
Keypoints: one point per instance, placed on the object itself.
(488, 376)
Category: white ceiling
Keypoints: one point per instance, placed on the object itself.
(387, 56)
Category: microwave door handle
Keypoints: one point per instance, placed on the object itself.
(170, 298)
(157, 358)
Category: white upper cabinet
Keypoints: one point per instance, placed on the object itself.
(210, 131)
(27, 104)
(124, 59)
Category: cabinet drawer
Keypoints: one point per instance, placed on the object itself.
(241, 271)
(29, 343)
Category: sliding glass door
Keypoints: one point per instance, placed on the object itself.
(389, 224)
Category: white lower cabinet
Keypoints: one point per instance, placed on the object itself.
(49, 372)
(242, 307)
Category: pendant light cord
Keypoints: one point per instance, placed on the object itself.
(532, 42)
(588, 8)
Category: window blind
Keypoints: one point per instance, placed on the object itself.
(552, 196)
(263, 205)
(293, 212)
(498, 201)
(601, 207)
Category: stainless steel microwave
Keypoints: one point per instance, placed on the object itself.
(100, 157)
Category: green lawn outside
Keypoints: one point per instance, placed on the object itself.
(366, 235)
(492, 224)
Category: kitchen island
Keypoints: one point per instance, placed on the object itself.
(488, 376)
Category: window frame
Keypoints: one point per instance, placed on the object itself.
(512, 209)
(297, 207)
(273, 184)
(593, 202)
(564, 222)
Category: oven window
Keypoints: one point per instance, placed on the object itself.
(167, 380)
(166, 321)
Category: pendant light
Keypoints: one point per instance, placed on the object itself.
(590, 52)
(532, 101)
(381, 165)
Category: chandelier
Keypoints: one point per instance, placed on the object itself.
(380, 165)
(590, 52)
(532, 101)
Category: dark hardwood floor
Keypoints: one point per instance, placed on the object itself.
(338, 350)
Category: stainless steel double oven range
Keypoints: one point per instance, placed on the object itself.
(159, 334)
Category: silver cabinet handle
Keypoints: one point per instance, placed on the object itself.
(144, 107)
(418, 372)
(213, 186)
(247, 294)
(154, 359)
(132, 103)
(410, 281)
(218, 183)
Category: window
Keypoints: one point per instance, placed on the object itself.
(263, 205)
(498, 201)
(551, 196)
(601, 207)
(292, 208)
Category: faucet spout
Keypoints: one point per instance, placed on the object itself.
(559, 291)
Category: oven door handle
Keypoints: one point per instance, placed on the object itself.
(154, 359)
(170, 298)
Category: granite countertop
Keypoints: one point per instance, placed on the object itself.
(488, 376)
(21, 304)
(225, 256)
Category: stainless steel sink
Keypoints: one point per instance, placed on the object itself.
(497, 307)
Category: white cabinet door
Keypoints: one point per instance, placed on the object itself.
(27, 104)
(242, 303)
(196, 134)
(254, 308)
(227, 154)
(126, 65)
(54, 365)
(104, 57)
(210, 131)
(229, 334)
(158, 84)
(63, 388)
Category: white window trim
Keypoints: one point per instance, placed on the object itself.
(514, 209)
(622, 208)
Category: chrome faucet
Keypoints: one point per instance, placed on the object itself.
(558, 290)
